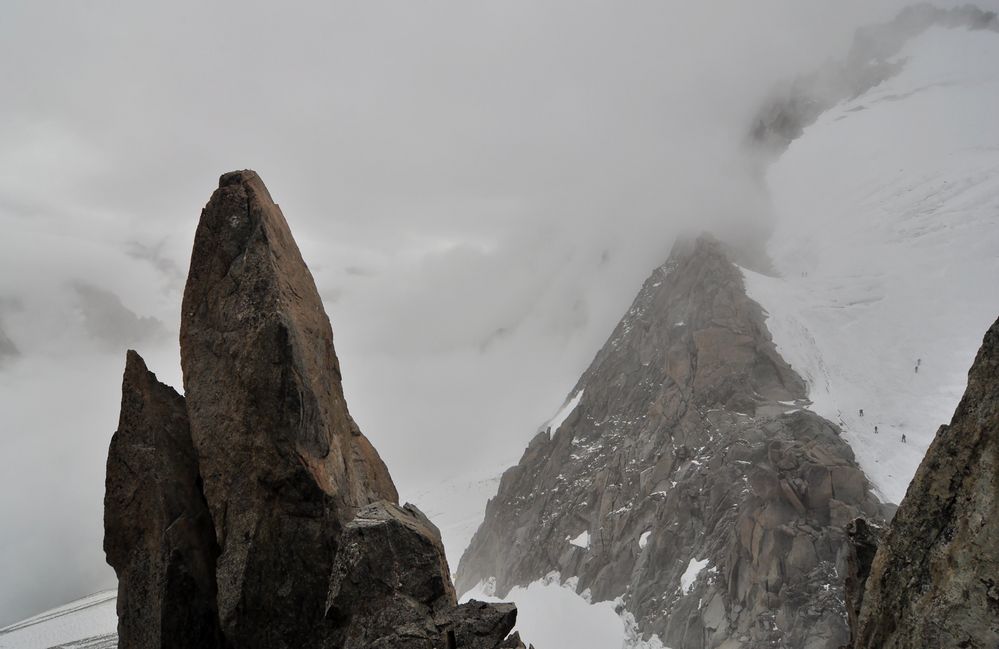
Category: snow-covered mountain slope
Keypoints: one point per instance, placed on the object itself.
(887, 249)
(686, 482)
(87, 623)
(550, 613)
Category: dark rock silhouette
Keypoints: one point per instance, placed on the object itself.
(934, 581)
(710, 501)
(299, 541)
(158, 533)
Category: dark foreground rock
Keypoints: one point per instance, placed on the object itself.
(158, 533)
(934, 581)
(254, 514)
(686, 478)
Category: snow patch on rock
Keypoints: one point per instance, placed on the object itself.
(553, 424)
(689, 575)
(581, 541)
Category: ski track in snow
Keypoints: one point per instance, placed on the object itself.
(888, 249)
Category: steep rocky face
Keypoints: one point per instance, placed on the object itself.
(284, 465)
(934, 581)
(254, 514)
(158, 534)
(682, 476)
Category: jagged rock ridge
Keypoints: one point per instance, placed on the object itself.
(686, 478)
(934, 581)
(274, 512)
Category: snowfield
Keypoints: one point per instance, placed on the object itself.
(87, 623)
(550, 613)
(887, 247)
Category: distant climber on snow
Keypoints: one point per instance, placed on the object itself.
(861, 412)
(875, 430)
(903, 438)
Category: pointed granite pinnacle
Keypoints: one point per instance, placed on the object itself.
(285, 466)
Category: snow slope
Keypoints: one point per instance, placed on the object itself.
(550, 613)
(87, 623)
(887, 247)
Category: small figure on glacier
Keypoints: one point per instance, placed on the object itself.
(875, 430)
(903, 438)
(861, 412)
(917, 368)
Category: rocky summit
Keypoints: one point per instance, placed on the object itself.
(934, 579)
(252, 513)
(684, 476)
(284, 465)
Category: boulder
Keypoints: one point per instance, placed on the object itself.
(391, 587)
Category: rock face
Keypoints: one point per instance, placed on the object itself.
(284, 465)
(158, 533)
(254, 514)
(683, 476)
(934, 581)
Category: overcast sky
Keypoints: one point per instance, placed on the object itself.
(479, 188)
